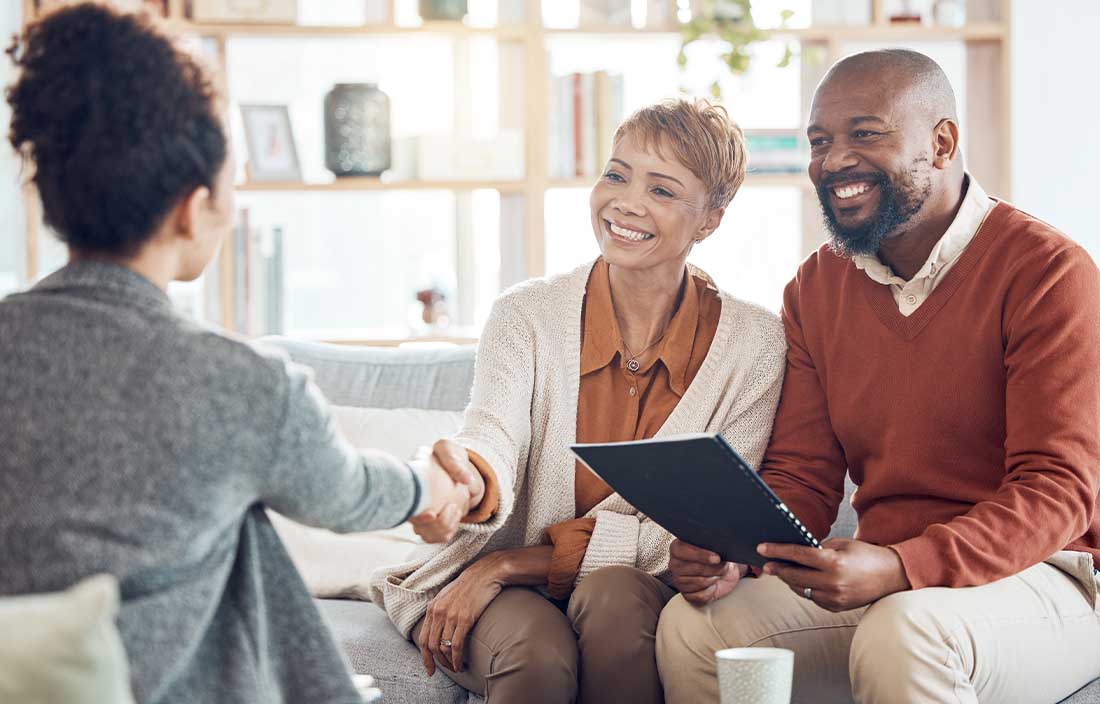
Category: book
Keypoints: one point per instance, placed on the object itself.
(700, 490)
(586, 108)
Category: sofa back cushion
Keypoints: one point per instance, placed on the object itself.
(373, 377)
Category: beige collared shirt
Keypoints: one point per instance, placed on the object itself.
(912, 293)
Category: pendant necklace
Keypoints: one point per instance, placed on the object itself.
(632, 364)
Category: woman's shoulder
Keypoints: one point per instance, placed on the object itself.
(257, 367)
(544, 294)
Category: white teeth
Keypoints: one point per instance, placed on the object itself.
(631, 235)
(845, 192)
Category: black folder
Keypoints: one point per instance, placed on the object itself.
(700, 490)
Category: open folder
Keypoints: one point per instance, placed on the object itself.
(700, 490)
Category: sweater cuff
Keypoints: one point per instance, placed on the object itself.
(490, 501)
(923, 562)
(614, 542)
(570, 539)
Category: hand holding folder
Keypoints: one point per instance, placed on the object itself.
(700, 490)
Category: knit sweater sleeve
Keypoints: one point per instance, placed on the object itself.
(1048, 494)
(804, 463)
(497, 424)
(314, 476)
(635, 540)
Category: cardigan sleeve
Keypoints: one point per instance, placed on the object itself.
(1048, 494)
(497, 424)
(570, 540)
(635, 540)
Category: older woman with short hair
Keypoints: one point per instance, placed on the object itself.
(557, 594)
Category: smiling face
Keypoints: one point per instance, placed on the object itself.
(648, 210)
(871, 158)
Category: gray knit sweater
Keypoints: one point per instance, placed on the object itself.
(135, 442)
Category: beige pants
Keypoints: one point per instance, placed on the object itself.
(1030, 638)
(524, 649)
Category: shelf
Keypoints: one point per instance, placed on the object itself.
(984, 32)
(799, 180)
(375, 184)
(296, 30)
(991, 31)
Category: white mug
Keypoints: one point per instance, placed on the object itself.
(755, 675)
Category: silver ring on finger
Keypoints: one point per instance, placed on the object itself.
(446, 642)
(808, 593)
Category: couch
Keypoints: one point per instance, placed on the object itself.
(437, 379)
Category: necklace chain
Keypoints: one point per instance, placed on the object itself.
(632, 364)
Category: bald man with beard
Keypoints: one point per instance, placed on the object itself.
(944, 351)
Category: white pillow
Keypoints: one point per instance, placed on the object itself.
(398, 431)
(64, 647)
(337, 565)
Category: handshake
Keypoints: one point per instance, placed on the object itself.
(454, 488)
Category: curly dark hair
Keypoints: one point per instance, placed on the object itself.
(118, 123)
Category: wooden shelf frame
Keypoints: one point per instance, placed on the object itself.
(752, 180)
(374, 184)
(506, 33)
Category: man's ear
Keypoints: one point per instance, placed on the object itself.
(185, 215)
(710, 224)
(945, 143)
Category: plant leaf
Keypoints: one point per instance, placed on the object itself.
(716, 90)
(788, 54)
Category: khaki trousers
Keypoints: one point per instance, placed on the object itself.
(1030, 638)
(524, 649)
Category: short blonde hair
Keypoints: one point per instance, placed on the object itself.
(701, 136)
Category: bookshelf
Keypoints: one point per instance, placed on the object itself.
(986, 39)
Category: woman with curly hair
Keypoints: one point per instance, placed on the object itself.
(138, 443)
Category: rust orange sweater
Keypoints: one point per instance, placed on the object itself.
(972, 427)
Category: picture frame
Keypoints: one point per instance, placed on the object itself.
(269, 137)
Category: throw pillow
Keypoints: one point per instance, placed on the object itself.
(64, 646)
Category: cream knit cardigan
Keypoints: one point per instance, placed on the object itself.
(522, 418)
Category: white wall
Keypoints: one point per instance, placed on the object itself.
(1056, 114)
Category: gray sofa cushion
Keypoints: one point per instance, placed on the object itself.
(375, 648)
(1090, 694)
(373, 377)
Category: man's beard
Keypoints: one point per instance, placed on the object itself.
(897, 203)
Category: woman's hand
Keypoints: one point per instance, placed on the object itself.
(455, 487)
(455, 460)
(453, 613)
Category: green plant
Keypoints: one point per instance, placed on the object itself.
(731, 22)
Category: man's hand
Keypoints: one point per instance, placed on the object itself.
(700, 575)
(454, 486)
(844, 574)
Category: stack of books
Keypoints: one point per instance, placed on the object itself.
(244, 287)
(585, 110)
